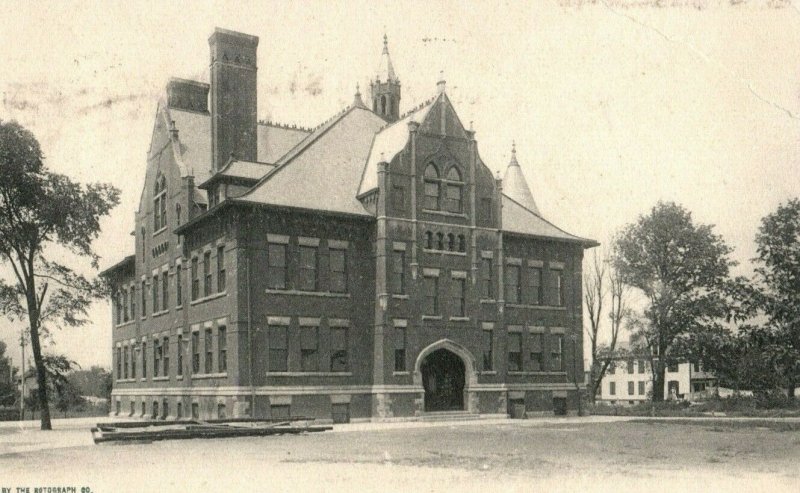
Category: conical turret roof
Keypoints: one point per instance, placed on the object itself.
(516, 187)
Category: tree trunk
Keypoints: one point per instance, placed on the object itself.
(41, 374)
(790, 391)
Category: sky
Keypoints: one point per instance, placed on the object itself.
(613, 105)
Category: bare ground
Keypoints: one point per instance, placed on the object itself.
(567, 455)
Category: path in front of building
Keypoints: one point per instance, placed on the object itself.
(553, 454)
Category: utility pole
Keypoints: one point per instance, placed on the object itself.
(22, 385)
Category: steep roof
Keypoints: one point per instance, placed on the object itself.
(194, 134)
(515, 185)
(518, 219)
(388, 142)
(386, 71)
(322, 172)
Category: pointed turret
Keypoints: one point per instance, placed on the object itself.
(357, 101)
(386, 87)
(516, 187)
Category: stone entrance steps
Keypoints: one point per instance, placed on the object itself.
(449, 416)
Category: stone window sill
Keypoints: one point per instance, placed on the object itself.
(445, 213)
(162, 312)
(444, 252)
(459, 319)
(201, 376)
(125, 324)
(208, 298)
(488, 300)
(160, 379)
(537, 373)
(487, 372)
(126, 380)
(540, 307)
(295, 292)
(401, 373)
(431, 317)
(309, 374)
(400, 296)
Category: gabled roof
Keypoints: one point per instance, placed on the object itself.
(520, 220)
(322, 172)
(128, 263)
(388, 142)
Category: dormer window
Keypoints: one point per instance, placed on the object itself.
(431, 188)
(454, 187)
(160, 203)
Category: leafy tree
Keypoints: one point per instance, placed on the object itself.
(682, 268)
(778, 274)
(43, 214)
(8, 379)
(96, 381)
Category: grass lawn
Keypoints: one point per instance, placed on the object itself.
(572, 455)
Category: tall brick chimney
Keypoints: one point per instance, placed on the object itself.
(234, 98)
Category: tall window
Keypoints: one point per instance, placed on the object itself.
(278, 355)
(308, 268)
(486, 284)
(209, 344)
(222, 349)
(537, 361)
(630, 367)
(165, 355)
(559, 288)
(459, 305)
(133, 302)
(488, 350)
(195, 280)
(630, 388)
(124, 295)
(641, 388)
(133, 362)
(125, 361)
(451, 242)
(160, 203)
(154, 292)
(612, 388)
(207, 274)
(338, 266)
(180, 355)
(144, 359)
(178, 285)
(514, 351)
(156, 358)
(557, 352)
(309, 349)
(276, 266)
(431, 200)
(142, 235)
(535, 285)
(455, 185)
(512, 284)
(428, 240)
(144, 298)
(164, 290)
(196, 352)
(431, 295)
(119, 362)
(399, 349)
(641, 366)
(221, 269)
(339, 357)
(398, 272)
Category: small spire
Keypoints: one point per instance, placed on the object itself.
(386, 69)
(513, 154)
(440, 85)
(357, 101)
(385, 44)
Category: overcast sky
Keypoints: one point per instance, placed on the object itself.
(612, 107)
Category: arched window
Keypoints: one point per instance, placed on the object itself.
(462, 244)
(428, 240)
(455, 185)
(451, 242)
(178, 213)
(431, 188)
(383, 105)
(160, 203)
(439, 241)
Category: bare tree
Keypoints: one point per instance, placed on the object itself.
(599, 282)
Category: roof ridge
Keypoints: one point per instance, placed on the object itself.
(285, 126)
(408, 113)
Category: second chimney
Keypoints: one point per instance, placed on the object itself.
(234, 98)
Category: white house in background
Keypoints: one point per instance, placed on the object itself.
(630, 381)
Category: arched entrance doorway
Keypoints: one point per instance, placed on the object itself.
(443, 378)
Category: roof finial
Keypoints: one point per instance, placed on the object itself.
(440, 86)
(357, 101)
(385, 44)
(513, 154)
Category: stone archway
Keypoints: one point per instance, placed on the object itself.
(445, 371)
